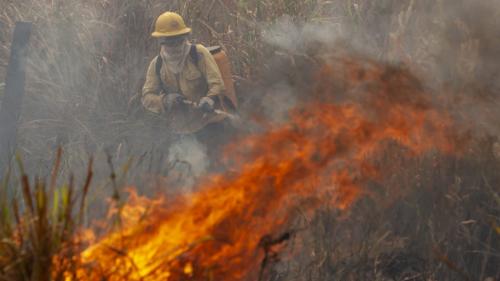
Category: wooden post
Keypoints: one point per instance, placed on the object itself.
(10, 108)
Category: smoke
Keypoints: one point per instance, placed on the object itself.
(90, 76)
(294, 37)
(470, 52)
(85, 62)
(278, 101)
(451, 52)
(452, 49)
(291, 42)
(83, 69)
(189, 160)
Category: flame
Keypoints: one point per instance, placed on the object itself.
(320, 156)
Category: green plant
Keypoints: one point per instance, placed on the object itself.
(39, 226)
(89, 57)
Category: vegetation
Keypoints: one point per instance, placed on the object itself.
(444, 228)
(88, 59)
(40, 222)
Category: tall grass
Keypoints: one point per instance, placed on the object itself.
(444, 228)
(88, 58)
(40, 225)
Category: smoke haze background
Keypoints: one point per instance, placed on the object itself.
(88, 58)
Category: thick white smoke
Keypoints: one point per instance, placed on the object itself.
(189, 160)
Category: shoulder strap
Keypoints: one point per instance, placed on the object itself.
(193, 52)
(158, 65)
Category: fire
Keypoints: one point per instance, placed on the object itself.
(320, 156)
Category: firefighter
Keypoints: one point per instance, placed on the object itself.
(184, 84)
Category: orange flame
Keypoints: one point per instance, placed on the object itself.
(320, 156)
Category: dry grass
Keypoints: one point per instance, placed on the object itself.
(89, 57)
(444, 228)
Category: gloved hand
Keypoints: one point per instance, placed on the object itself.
(171, 100)
(206, 104)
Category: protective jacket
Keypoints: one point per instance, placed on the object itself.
(195, 80)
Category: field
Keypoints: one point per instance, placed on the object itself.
(369, 149)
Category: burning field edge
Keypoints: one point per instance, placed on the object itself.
(382, 164)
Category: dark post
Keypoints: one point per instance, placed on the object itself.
(10, 108)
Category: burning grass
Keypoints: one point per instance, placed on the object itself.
(368, 180)
(322, 158)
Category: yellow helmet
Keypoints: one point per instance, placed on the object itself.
(170, 24)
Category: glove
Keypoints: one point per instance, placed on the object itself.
(171, 100)
(206, 104)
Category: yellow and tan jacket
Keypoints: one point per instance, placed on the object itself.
(196, 80)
